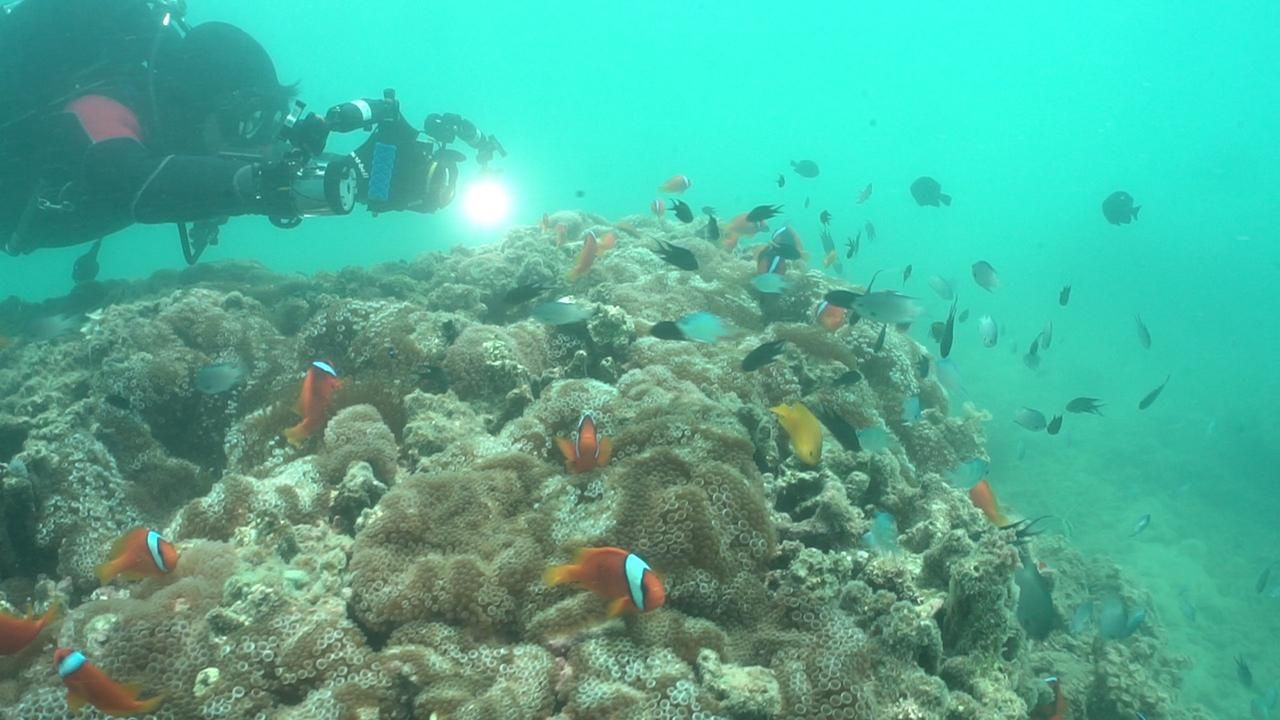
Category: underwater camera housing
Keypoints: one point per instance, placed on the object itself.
(394, 169)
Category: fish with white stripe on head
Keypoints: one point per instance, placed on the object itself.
(88, 685)
(142, 552)
(620, 577)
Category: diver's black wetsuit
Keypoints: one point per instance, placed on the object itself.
(118, 178)
(100, 160)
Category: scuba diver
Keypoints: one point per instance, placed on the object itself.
(115, 112)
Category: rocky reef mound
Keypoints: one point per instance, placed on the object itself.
(391, 566)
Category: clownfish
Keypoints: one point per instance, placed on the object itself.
(984, 498)
(313, 401)
(787, 236)
(676, 184)
(86, 683)
(1055, 709)
(804, 430)
(140, 553)
(768, 262)
(585, 449)
(830, 317)
(608, 241)
(586, 256)
(658, 208)
(737, 227)
(620, 577)
(16, 633)
(546, 222)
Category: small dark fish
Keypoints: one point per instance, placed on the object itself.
(906, 274)
(824, 217)
(1035, 611)
(1141, 525)
(782, 180)
(936, 328)
(1144, 334)
(806, 202)
(1030, 419)
(1150, 397)
(579, 193)
(219, 377)
(989, 331)
(523, 293)
(865, 194)
(851, 247)
(852, 377)
(922, 367)
(1243, 672)
(1064, 295)
(1054, 425)
(928, 191)
(1119, 209)
(986, 276)
(1261, 583)
(942, 287)
(1085, 405)
(884, 328)
(712, 230)
(676, 255)
(1032, 358)
(871, 231)
(1046, 335)
(964, 315)
(805, 168)
(763, 355)
(948, 333)
(666, 330)
(450, 331)
(888, 306)
(840, 429)
(763, 212)
(709, 211)
(842, 298)
(560, 312)
(86, 266)
(682, 211)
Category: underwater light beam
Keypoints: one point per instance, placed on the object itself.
(486, 202)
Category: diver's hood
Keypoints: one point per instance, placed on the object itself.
(216, 68)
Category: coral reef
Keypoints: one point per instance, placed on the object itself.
(391, 566)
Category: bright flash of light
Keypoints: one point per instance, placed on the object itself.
(486, 202)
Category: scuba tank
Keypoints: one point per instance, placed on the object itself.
(52, 51)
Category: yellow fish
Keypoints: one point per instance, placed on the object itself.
(804, 430)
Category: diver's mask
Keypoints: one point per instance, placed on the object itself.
(249, 119)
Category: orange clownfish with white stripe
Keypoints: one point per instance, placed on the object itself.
(676, 184)
(830, 317)
(140, 553)
(317, 392)
(585, 449)
(16, 633)
(984, 498)
(87, 684)
(586, 256)
(621, 578)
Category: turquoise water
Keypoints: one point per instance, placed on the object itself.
(1028, 116)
